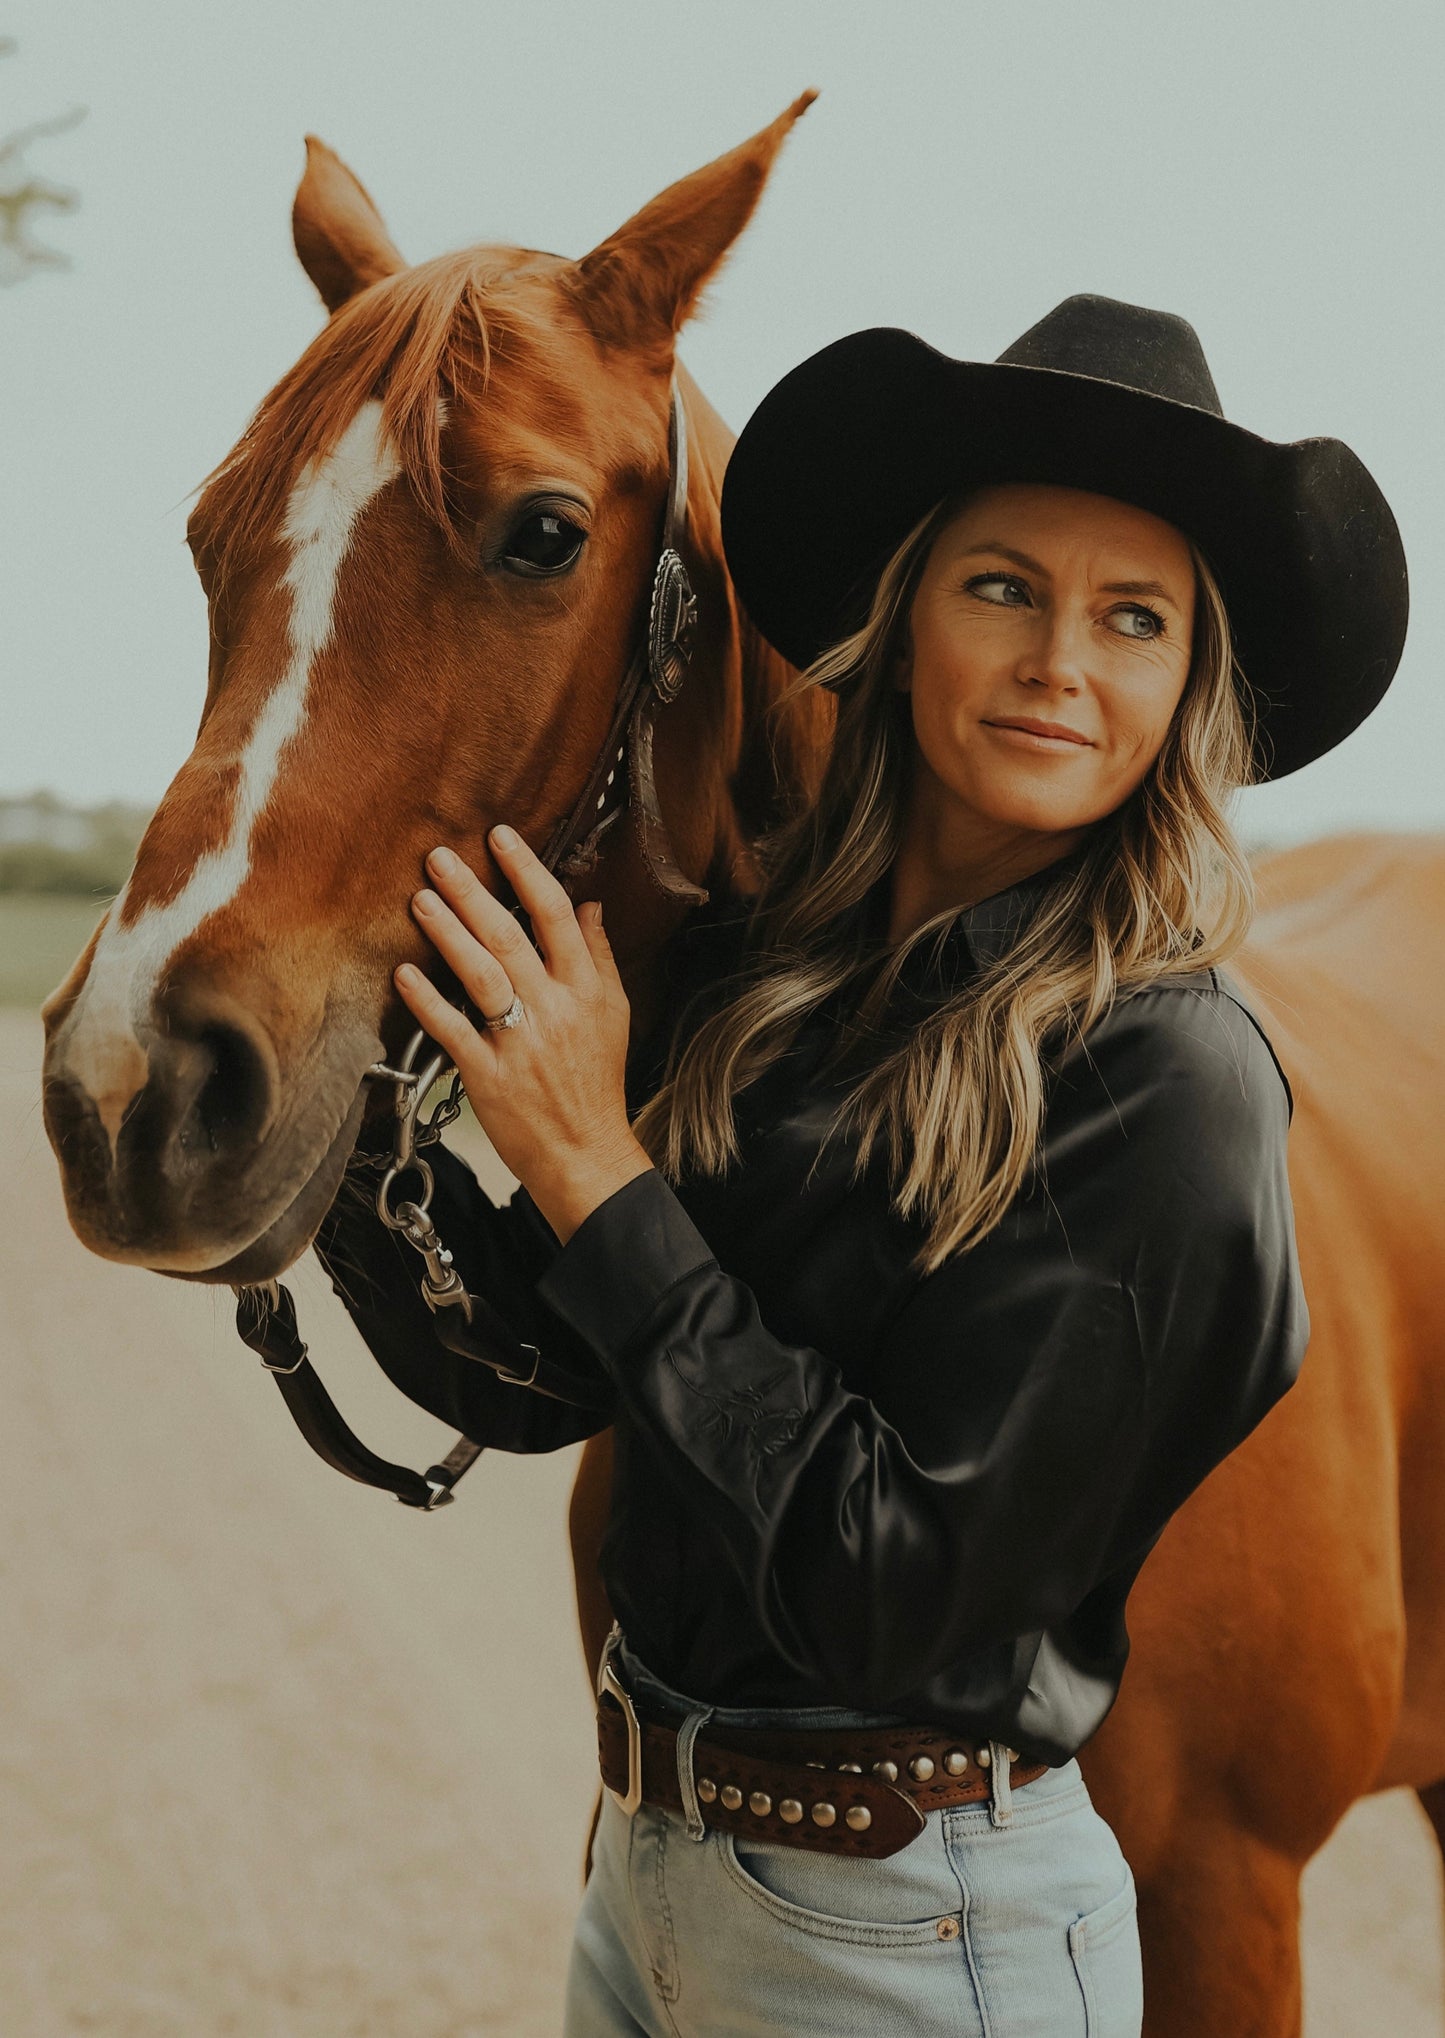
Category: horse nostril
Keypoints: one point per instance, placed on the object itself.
(214, 1084)
(233, 1103)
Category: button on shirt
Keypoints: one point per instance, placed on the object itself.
(838, 1482)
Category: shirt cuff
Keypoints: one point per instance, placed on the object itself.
(620, 1262)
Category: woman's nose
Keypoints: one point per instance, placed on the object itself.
(1056, 657)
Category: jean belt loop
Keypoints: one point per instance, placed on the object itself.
(687, 1735)
(1001, 1797)
(609, 1649)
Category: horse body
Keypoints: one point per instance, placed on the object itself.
(1289, 1629)
(378, 682)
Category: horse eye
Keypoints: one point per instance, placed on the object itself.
(545, 542)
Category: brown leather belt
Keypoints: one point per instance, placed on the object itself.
(857, 1791)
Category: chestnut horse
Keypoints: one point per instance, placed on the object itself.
(398, 656)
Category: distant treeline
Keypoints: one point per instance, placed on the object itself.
(50, 847)
(46, 845)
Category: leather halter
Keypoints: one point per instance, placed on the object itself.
(653, 678)
(466, 1324)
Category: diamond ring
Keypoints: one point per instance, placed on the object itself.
(515, 1013)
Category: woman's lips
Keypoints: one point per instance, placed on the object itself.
(1040, 735)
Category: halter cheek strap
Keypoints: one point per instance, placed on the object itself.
(653, 678)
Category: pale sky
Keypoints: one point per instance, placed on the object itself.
(1271, 171)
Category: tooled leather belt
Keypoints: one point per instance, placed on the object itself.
(856, 1791)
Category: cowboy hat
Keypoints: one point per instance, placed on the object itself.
(851, 449)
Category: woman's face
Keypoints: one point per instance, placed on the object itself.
(1048, 649)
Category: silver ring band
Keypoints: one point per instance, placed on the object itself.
(515, 1013)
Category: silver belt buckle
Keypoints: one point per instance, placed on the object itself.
(609, 1684)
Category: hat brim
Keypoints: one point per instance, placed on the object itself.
(850, 449)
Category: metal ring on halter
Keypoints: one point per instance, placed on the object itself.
(396, 1220)
(515, 1013)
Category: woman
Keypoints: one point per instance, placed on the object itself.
(952, 1245)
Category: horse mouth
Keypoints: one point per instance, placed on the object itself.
(287, 1236)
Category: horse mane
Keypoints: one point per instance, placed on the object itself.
(413, 340)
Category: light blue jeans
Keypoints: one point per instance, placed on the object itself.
(976, 1929)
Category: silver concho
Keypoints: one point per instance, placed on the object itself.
(670, 626)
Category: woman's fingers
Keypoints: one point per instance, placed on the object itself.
(589, 919)
(553, 916)
(471, 927)
(487, 986)
(449, 1028)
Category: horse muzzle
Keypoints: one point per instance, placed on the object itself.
(187, 1146)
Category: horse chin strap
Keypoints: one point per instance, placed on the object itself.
(466, 1324)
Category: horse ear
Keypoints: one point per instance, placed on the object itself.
(643, 282)
(337, 230)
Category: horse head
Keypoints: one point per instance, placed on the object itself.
(428, 561)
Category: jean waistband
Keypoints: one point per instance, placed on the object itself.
(653, 1695)
(636, 1686)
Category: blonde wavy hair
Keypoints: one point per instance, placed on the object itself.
(957, 1102)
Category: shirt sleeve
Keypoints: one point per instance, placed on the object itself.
(499, 1252)
(1044, 1401)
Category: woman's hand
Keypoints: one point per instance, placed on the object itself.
(548, 1093)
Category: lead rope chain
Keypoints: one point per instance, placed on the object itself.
(466, 1324)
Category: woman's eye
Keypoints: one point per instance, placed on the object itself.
(1002, 588)
(544, 542)
(1139, 623)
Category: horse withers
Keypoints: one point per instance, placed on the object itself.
(428, 561)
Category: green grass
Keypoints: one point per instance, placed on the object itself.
(41, 934)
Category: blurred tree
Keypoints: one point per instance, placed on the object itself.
(23, 194)
(47, 845)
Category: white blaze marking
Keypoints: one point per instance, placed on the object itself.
(102, 1050)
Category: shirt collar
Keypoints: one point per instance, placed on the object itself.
(985, 931)
(990, 928)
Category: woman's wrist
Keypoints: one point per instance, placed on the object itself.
(569, 1197)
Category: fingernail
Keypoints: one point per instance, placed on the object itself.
(443, 862)
(504, 837)
(426, 902)
(406, 974)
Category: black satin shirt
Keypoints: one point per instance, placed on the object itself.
(838, 1482)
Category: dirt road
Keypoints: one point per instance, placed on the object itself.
(280, 1759)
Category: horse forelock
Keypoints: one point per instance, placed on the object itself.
(413, 343)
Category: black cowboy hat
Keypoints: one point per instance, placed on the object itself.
(844, 456)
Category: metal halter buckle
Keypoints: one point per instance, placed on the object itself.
(670, 625)
(294, 1367)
